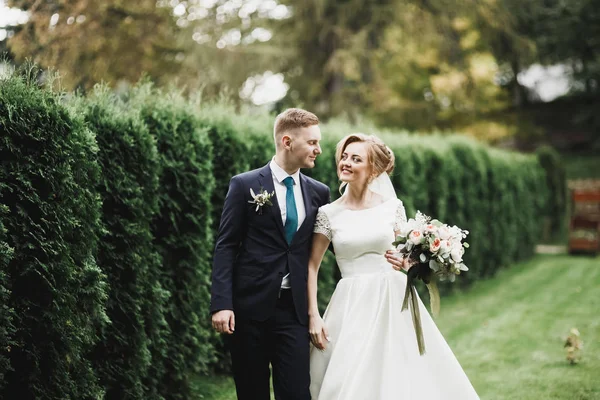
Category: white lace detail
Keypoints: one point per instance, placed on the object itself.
(400, 216)
(322, 224)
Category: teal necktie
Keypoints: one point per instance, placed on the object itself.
(291, 218)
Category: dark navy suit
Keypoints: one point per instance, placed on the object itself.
(251, 257)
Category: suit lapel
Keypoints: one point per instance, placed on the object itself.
(265, 181)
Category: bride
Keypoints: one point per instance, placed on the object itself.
(365, 347)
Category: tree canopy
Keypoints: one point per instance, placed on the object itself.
(411, 63)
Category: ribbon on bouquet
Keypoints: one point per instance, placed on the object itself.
(434, 297)
(423, 272)
(411, 295)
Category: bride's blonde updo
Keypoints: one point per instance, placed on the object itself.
(381, 157)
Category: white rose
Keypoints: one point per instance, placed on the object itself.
(455, 232)
(445, 247)
(444, 233)
(456, 253)
(416, 237)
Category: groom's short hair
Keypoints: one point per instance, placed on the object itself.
(293, 118)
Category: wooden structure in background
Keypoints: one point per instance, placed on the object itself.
(584, 226)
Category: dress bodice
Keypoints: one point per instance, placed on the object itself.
(361, 237)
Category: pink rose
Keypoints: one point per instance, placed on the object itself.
(435, 245)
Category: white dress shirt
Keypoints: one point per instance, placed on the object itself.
(281, 191)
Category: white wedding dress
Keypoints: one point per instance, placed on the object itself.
(373, 353)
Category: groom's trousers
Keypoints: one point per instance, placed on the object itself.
(280, 341)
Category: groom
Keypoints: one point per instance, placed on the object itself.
(260, 264)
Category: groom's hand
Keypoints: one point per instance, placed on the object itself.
(224, 321)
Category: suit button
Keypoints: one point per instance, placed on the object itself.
(288, 251)
(281, 274)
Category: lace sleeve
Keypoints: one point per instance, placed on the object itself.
(322, 225)
(400, 216)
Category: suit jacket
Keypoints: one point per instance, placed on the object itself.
(251, 252)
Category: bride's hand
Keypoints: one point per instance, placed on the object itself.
(398, 261)
(318, 332)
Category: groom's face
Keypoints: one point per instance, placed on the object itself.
(305, 146)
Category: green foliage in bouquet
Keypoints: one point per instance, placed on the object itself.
(129, 357)
(47, 180)
(182, 232)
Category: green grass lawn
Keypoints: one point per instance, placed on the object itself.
(215, 388)
(508, 332)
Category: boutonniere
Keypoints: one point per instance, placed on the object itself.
(261, 199)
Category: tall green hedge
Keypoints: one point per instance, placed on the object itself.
(239, 144)
(231, 156)
(6, 313)
(182, 233)
(47, 181)
(128, 357)
(136, 185)
(555, 211)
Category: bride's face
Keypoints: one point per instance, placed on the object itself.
(354, 165)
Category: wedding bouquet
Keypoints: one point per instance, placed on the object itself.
(439, 250)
